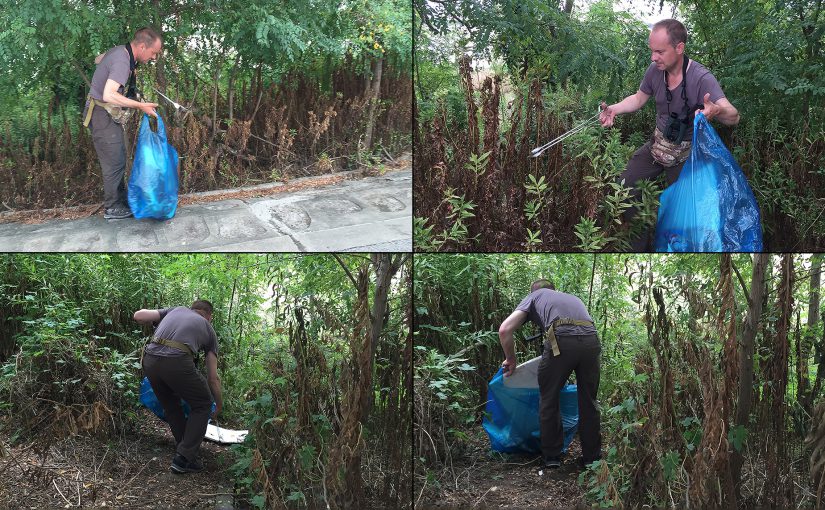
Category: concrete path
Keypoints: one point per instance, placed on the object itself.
(368, 214)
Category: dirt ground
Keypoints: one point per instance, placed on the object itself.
(124, 472)
(483, 479)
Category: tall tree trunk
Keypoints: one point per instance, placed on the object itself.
(231, 91)
(386, 265)
(746, 351)
(568, 7)
(160, 72)
(779, 494)
(215, 80)
(375, 96)
(343, 468)
(807, 340)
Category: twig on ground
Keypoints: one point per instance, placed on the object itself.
(136, 475)
(521, 463)
(101, 462)
(100, 206)
(494, 487)
(61, 493)
(14, 458)
(421, 493)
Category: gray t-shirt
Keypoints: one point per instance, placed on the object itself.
(114, 66)
(183, 324)
(700, 81)
(544, 306)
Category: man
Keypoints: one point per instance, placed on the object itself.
(570, 345)
(169, 363)
(107, 110)
(681, 87)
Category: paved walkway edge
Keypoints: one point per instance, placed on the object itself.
(347, 175)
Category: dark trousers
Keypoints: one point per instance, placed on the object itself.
(177, 378)
(579, 354)
(108, 139)
(643, 166)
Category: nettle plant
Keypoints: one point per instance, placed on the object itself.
(608, 158)
(536, 189)
(477, 165)
(459, 209)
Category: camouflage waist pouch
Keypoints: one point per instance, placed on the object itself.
(119, 115)
(667, 153)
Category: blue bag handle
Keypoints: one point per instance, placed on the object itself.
(698, 119)
(144, 126)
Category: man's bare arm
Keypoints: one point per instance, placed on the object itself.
(214, 380)
(505, 337)
(722, 110)
(631, 104)
(627, 105)
(111, 95)
(147, 316)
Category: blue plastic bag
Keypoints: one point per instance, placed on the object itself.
(711, 206)
(150, 400)
(512, 416)
(153, 185)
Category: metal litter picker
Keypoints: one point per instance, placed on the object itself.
(592, 121)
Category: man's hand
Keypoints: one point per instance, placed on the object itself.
(148, 108)
(509, 367)
(505, 336)
(607, 115)
(711, 109)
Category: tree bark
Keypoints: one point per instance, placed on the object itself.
(746, 351)
(375, 94)
(231, 91)
(806, 342)
(343, 469)
(813, 318)
(160, 72)
(386, 265)
(779, 494)
(215, 99)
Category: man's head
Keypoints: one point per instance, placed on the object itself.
(146, 45)
(542, 284)
(667, 44)
(203, 308)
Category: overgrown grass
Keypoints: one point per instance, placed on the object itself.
(580, 201)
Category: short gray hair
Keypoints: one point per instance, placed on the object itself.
(676, 32)
(146, 36)
(544, 283)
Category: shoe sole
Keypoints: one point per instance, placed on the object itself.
(180, 471)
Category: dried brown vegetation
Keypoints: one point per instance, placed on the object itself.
(276, 133)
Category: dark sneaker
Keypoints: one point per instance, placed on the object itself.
(552, 462)
(117, 213)
(180, 465)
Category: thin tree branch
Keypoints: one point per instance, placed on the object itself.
(349, 274)
(742, 283)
